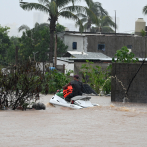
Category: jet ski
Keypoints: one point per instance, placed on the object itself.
(78, 102)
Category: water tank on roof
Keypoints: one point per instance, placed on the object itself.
(139, 26)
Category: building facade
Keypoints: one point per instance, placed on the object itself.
(107, 44)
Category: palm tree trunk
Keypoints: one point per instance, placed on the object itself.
(52, 30)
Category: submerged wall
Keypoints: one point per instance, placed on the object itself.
(125, 72)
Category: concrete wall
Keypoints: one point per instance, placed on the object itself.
(125, 72)
(114, 43)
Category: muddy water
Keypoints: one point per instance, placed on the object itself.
(110, 125)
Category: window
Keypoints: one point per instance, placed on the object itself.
(101, 47)
(74, 45)
(129, 46)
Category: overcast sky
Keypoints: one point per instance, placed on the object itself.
(127, 12)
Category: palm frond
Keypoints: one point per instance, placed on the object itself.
(83, 20)
(78, 23)
(144, 11)
(81, 9)
(23, 27)
(94, 29)
(53, 8)
(36, 25)
(44, 25)
(107, 21)
(36, 6)
(92, 16)
(89, 2)
(68, 14)
(98, 9)
(43, 1)
(85, 26)
(107, 29)
(81, 15)
(62, 3)
(76, 9)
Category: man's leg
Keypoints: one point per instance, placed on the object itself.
(68, 98)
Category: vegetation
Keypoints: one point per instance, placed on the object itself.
(96, 77)
(144, 10)
(21, 87)
(5, 43)
(55, 9)
(143, 33)
(124, 56)
(104, 23)
(36, 41)
(33, 43)
(55, 80)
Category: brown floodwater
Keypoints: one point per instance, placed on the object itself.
(107, 125)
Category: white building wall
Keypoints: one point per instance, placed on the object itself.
(68, 66)
(68, 40)
(85, 44)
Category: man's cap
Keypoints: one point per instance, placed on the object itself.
(76, 76)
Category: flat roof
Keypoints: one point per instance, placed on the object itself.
(76, 33)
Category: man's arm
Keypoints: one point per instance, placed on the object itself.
(64, 87)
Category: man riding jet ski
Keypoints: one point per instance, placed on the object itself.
(71, 96)
(75, 88)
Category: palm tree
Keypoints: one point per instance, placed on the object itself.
(105, 25)
(55, 9)
(144, 10)
(104, 20)
(36, 27)
(97, 9)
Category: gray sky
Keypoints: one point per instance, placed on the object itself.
(127, 11)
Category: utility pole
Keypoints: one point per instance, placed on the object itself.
(16, 55)
(55, 52)
(115, 22)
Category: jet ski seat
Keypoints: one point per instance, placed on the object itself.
(80, 97)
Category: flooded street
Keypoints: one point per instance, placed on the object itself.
(108, 125)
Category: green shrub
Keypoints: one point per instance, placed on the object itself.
(96, 77)
(123, 56)
(54, 80)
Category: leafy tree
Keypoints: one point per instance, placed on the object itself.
(59, 28)
(4, 42)
(36, 41)
(123, 56)
(55, 9)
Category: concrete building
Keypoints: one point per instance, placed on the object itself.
(73, 60)
(107, 44)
